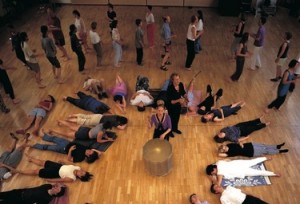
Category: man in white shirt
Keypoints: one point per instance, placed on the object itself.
(141, 99)
(231, 195)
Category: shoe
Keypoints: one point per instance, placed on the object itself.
(275, 79)
(208, 89)
(280, 145)
(168, 63)
(99, 96)
(104, 95)
(21, 131)
(283, 151)
(177, 131)
(219, 94)
(171, 135)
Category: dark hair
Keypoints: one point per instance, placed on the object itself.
(1, 61)
(72, 29)
(94, 25)
(110, 6)
(122, 120)
(141, 108)
(87, 176)
(245, 37)
(61, 192)
(114, 24)
(118, 98)
(193, 19)
(149, 7)
(138, 21)
(212, 189)
(190, 199)
(201, 112)
(164, 18)
(76, 12)
(91, 158)
(23, 37)
(173, 75)
(288, 35)
(107, 125)
(44, 30)
(293, 63)
(10, 26)
(210, 168)
(263, 20)
(52, 98)
(203, 120)
(218, 139)
(200, 15)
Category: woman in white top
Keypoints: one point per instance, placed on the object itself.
(96, 41)
(117, 44)
(150, 26)
(190, 42)
(200, 31)
(81, 30)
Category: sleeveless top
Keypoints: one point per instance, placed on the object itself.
(283, 89)
(284, 55)
(240, 34)
(149, 18)
(189, 34)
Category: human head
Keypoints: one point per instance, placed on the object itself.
(118, 99)
(84, 176)
(76, 13)
(200, 14)
(114, 24)
(194, 19)
(175, 79)
(160, 109)
(50, 98)
(216, 189)
(94, 25)
(263, 20)
(245, 37)
(23, 36)
(122, 120)
(220, 137)
(138, 22)
(91, 156)
(72, 29)
(160, 102)
(293, 63)
(57, 190)
(206, 118)
(211, 169)
(288, 35)
(194, 198)
(223, 149)
(149, 8)
(141, 106)
(167, 19)
(44, 30)
(110, 7)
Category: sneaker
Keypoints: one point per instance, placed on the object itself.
(274, 79)
(104, 95)
(177, 131)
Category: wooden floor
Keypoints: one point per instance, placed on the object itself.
(120, 175)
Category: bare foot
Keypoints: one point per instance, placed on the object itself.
(267, 110)
(268, 123)
(64, 98)
(243, 104)
(269, 158)
(16, 101)
(278, 175)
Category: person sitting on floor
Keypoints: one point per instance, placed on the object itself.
(249, 149)
(37, 114)
(95, 86)
(218, 115)
(210, 101)
(55, 172)
(116, 121)
(234, 195)
(236, 168)
(119, 92)
(85, 133)
(88, 103)
(76, 152)
(194, 199)
(240, 131)
(39, 194)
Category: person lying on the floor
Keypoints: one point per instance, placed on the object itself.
(210, 102)
(54, 172)
(85, 133)
(95, 86)
(37, 114)
(88, 103)
(218, 115)
(194, 199)
(249, 149)
(119, 93)
(236, 168)
(240, 131)
(116, 121)
(40, 194)
(231, 195)
(76, 152)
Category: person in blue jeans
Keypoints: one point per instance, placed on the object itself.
(89, 103)
(76, 152)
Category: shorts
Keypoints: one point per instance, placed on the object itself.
(12, 158)
(88, 120)
(190, 97)
(54, 61)
(34, 66)
(82, 133)
(167, 46)
(60, 41)
(38, 112)
(50, 170)
(281, 61)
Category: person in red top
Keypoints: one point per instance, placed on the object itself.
(37, 114)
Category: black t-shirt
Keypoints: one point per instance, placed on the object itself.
(173, 94)
(38, 195)
(78, 154)
(113, 119)
(111, 15)
(236, 150)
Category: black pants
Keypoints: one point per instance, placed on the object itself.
(79, 102)
(4, 80)
(253, 200)
(157, 133)
(20, 55)
(240, 61)
(174, 112)
(12, 197)
(277, 102)
(139, 55)
(190, 45)
(248, 127)
(81, 60)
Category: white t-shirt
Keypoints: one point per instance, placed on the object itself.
(231, 169)
(95, 38)
(199, 26)
(150, 18)
(28, 53)
(189, 34)
(141, 97)
(80, 26)
(232, 195)
(115, 34)
(67, 171)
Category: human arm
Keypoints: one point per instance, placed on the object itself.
(134, 95)
(285, 78)
(45, 107)
(216, 119)
(242, 139)
(222, 155)
(60, 180)
(70, 157)
(239, 51)
(102, 137)
(97, 151)
(238, 30)
(284, 46)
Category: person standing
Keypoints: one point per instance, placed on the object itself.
(176, 96)
(5, 81)
(166, 35)
(190, 42)
(50, 51)
(96, 41)
(76, 47)
(139, 42)
(200, 31)
(16, 44)
(55, 27)
(81, 30)
(288, 78)
(282, 56)
(117, 43)
(150, 26)
(241, 54)
(259, 39)
(237, 34)
(111, 15)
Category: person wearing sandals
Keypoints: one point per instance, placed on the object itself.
(37, 114)
(218, 115)
(210, 101)
(162, 123)
(240, 131)
(166, 35)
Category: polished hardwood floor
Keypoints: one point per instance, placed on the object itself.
(120, 175)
